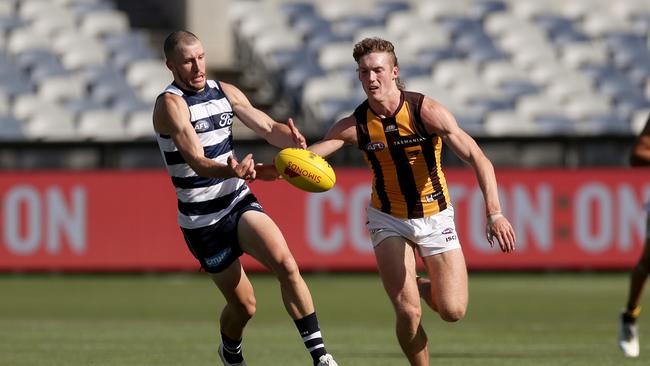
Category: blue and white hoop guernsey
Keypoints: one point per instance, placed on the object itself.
(203, 201)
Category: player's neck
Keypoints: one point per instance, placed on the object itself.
(187, 89)
(386, 107)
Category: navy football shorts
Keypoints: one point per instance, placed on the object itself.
(217, 246)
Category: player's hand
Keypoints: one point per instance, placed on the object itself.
(244, 169)
(298, 139)
(266, 172)
(499, 228)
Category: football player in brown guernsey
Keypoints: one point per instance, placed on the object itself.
(628, 333)
(401, 133)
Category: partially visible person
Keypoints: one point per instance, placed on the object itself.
(401, 134)
(628, 334)
(219, 217)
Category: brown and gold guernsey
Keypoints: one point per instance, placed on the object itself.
(408, 180)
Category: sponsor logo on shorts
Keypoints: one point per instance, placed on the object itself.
(450, 238)
(216, 260)
(447, 231)
(256, 205)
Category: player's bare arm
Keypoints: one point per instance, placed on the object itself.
(172, 117)
(641, 151)
(437, 119)
(277, 134)
(341, 133)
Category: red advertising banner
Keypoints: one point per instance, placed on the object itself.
(126, 221)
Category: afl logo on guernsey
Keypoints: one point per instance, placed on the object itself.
(375, 146)
(201, 126)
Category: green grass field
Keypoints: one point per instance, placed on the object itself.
(120, 320)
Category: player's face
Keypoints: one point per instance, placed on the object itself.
(189, 66)
(377, 74)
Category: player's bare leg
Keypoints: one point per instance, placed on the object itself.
(445, 291)
(638, 278)
(239, 309)
(260, 237)
(240, 299)
(396, 263)
(628, 333)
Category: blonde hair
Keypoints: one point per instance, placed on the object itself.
(375, 45)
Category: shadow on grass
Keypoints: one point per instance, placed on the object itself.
(452, 355)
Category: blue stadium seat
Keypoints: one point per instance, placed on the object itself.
(11, 129)
(556, 125)
(482, 9)
(298, 10)
(384, 8)
(562, 64)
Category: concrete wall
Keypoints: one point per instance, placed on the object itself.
(208, 19)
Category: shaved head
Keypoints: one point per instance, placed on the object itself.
(186, 60)
(176, 39)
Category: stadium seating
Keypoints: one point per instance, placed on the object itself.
(74, 70)
(504, 67)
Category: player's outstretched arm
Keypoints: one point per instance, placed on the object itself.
(277, 134)
(437, 119)
(266, 172)
(341, 133)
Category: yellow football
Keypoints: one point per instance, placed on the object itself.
(305, 170)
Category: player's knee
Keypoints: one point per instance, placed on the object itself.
(287, 269)
(248, 308)
(408, 313)
(452, 313)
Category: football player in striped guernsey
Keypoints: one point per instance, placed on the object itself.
(628, 334)
(401, 134)
(219, 216)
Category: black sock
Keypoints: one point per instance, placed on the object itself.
(311, 336)
(232, 351)
(631, 313)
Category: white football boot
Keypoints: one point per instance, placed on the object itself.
(223, 359)
(628, 338)
(327, 360)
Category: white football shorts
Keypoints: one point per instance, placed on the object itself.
(432, 235)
